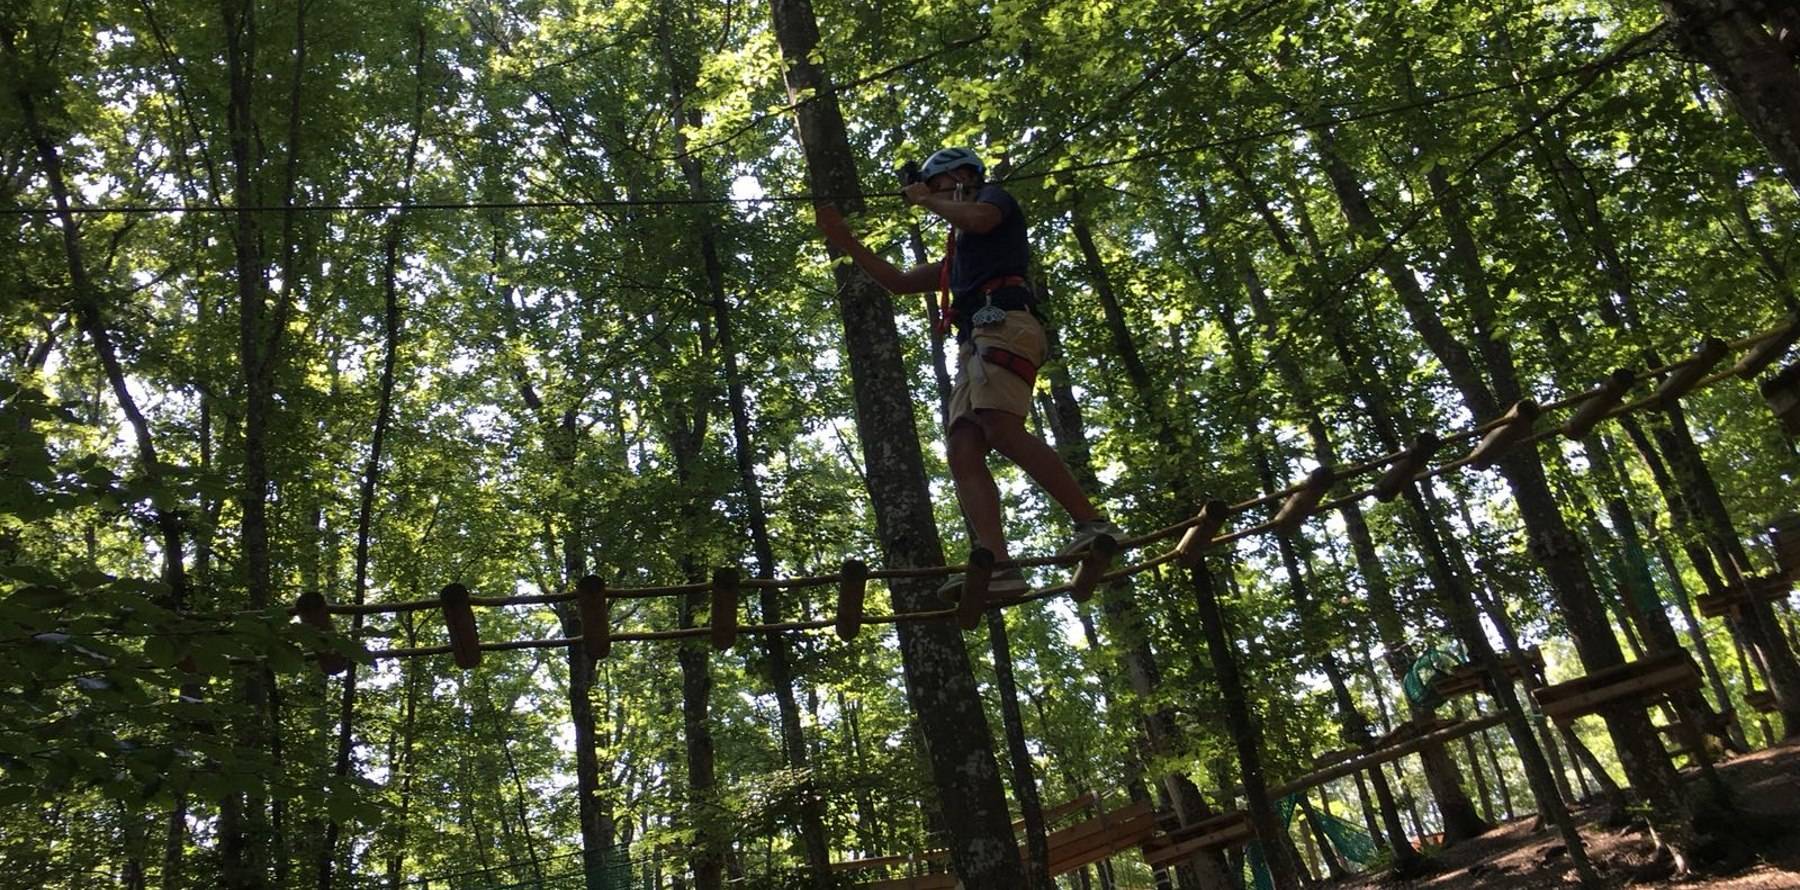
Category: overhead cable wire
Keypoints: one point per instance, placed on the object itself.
(1255, 137)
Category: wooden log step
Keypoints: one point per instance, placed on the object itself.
(1225, 830)
(1199, 535)
(313, 611)
(1644, 678)
(1764, 588)
(1786, 534)
(596, 616)
(1305, 498)
(973, 599)
(853, 587)
(1682, 380)
(459, 621)
(1782, 393)
(1611, 392)
(1762, 700)
(724, 620)
(1401, 472)
(1100, 554)
(1514, 426)
(1768, 351)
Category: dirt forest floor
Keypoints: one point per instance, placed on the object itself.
(1513, 857)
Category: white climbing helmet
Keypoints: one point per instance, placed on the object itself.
(945, 160)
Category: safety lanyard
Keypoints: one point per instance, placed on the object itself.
(946, 311)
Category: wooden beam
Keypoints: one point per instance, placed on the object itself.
(1093, 565)
(596, 616)
(1200, 535)
(1400, 473)
(724, 618)
(853, 586)
(1682, 380)
(459, 620)
(1598, 406)
(1514, 425)
(1656, 675)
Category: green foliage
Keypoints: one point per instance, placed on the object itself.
(559, 403)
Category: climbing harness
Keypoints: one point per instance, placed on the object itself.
(990, 315)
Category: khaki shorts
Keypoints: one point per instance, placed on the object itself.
(1021, 335)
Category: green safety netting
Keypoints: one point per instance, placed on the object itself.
(1352, 843)
(1433, 664)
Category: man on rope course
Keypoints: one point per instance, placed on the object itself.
(1000, 344)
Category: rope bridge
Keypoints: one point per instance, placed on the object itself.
(1193, 536)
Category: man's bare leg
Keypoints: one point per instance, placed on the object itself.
(1006, 434)
(967, 451)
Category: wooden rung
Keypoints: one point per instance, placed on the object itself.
(1786, 534)
(1682, 380)
(853, 585)
(1762, 700)
(1093, 565)
(973, 599)
(1410, 464)
(311, 607)
(1647, 677)
(1761, 588)
(1200, 535)
(1220, 831)
(1300, 504)
(1119, 832)
(1413, 729)
(1515, 424)
(1075, 804)
(1611, 392)
(724, 619)
(459, 619)
(1782, 393)
(1768, 351)
(596, 615)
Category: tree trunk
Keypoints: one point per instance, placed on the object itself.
(939, 681)
(1441, 774)
(1559, 553)
(706, 817)
(1334, 866)
(371, 474)
(1240, 723)
(1739, 43)
(1037, 863)
(1354, 727)
(1447, 568)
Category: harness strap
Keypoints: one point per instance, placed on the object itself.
(946, 319)
(994, 284)
(1011, 361)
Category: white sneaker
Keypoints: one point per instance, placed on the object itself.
(1086, 532)
(1009, 582)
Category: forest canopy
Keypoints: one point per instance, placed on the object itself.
(366, 300)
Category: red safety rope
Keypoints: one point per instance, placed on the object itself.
(946, 312)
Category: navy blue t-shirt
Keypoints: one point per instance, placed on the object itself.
(999, 252)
